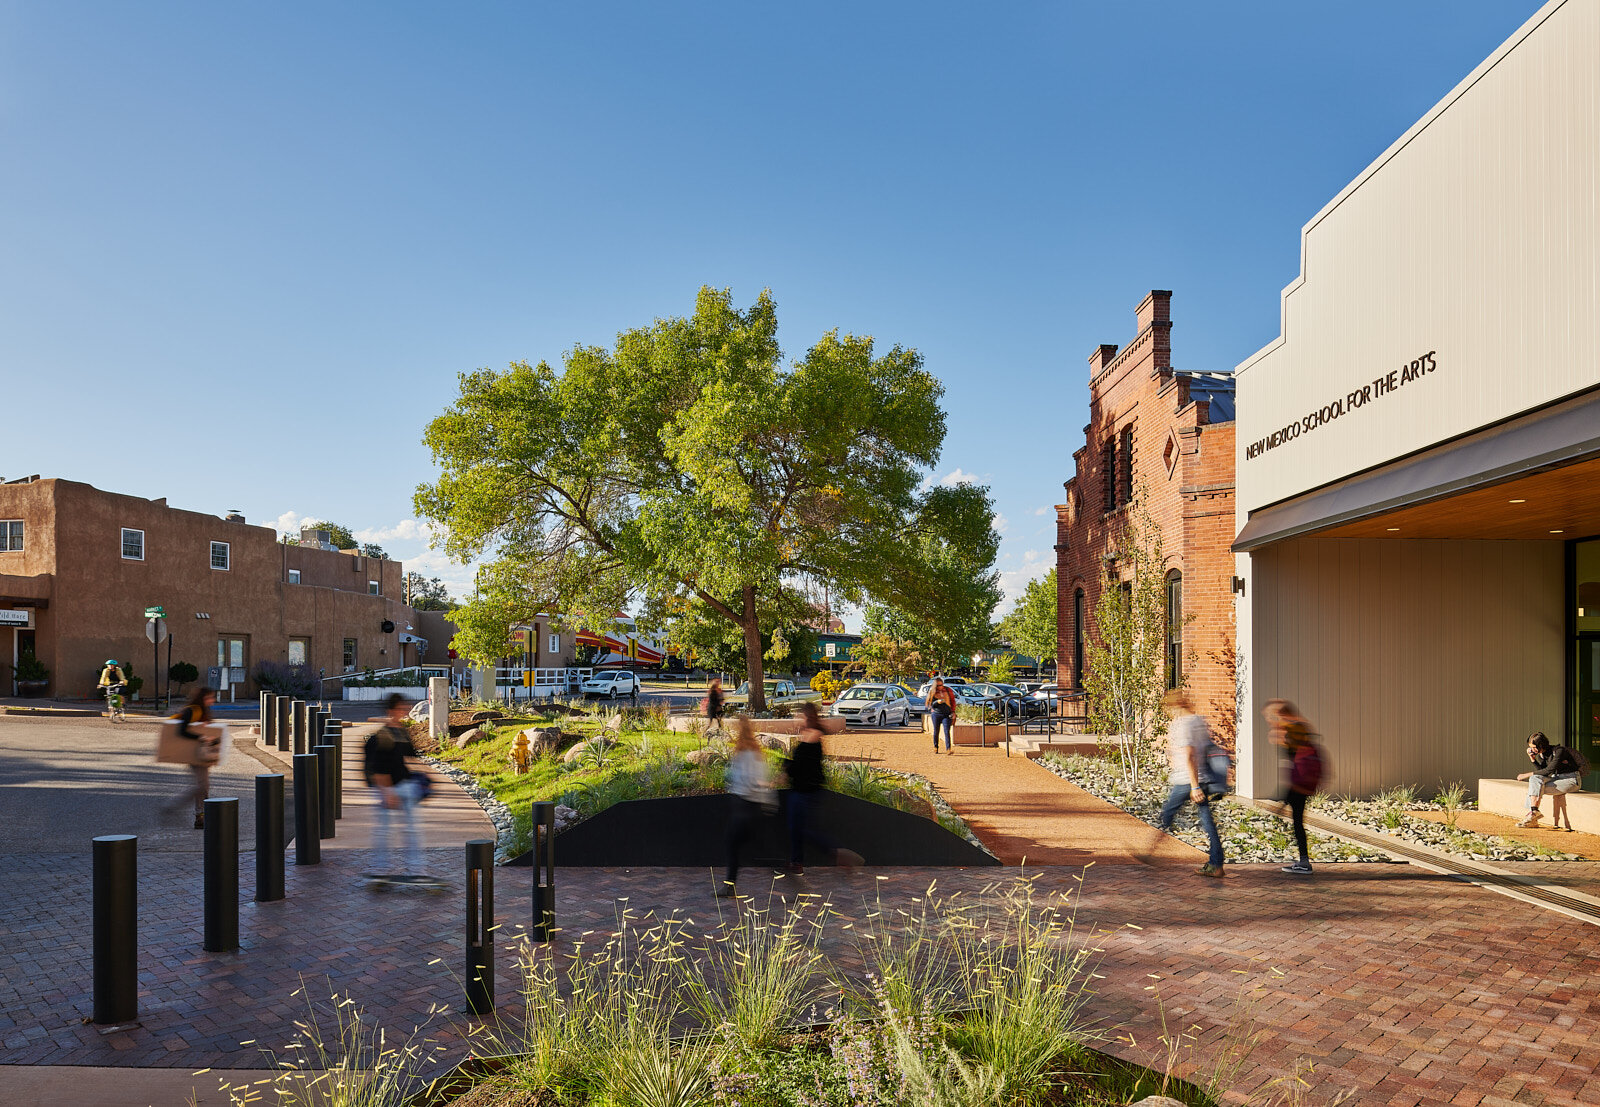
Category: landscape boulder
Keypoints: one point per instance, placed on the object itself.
(468, 737)
(709, 755)
(583, 748)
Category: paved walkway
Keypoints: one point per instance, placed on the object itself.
(1402, 987)
(1016, 808)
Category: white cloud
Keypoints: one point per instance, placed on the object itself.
(1013, 582)
(1001, 524)
(957, 476)
(1042, 510)
(290, 522)
(406, 530)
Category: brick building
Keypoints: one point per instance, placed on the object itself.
(1170, 433)
(79, 566)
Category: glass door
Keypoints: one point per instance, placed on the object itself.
(1583, 606)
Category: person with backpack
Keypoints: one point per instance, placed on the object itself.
(1557, 770)
(1293, 733)
(400, 789)
(1190, 773)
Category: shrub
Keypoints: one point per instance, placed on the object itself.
(284, 680)
(183, 673)
(30, 667)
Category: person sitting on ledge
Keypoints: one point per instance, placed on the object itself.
(1557, 770)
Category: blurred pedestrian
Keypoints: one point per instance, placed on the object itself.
(942, 706)
(804, 769)
(750, 796)
(714, 707)
(1292, 731)
(399, 789)
(1188, 746)
(194, 723)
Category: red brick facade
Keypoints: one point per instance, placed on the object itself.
(1170, 433)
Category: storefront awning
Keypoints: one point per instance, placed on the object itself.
(1561, 434)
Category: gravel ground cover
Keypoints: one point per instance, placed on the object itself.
(1393, 813)
(1247, 834)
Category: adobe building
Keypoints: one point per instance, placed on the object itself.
(1419, 449)
(1169, 433)
(79, 567)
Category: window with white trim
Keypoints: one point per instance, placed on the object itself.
(555, 643)
(372, 588)
(219, 556)
(132, 544)
(294, 576)
(10, 535)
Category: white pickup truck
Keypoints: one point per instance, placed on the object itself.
(610, 685)
(778, 692)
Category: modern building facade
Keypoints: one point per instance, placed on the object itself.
(1419, 450)
(80, 567)
(1165, 435)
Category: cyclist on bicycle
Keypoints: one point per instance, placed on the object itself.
(112, 678)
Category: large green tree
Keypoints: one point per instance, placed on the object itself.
(950, 618)
(1031, 626)
(692, 461)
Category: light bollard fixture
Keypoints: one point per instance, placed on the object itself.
(544, 871)
(480, 926)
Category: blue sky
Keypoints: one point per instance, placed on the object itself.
(246, 248)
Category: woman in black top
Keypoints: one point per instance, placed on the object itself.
(1556, 771)
(196, 713)
(804, 769)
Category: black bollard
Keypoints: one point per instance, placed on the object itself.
(269, 837)
(116, 906)
(283, 730)
(480, 926)
(266, 729)
(297, 710)
(222, 874)
(334, 736)
(307, 811)
(544, 871)
(327, 781)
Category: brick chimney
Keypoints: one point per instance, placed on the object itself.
(1103, 355)
(1155, 314)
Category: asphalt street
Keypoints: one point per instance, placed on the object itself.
(64, 781)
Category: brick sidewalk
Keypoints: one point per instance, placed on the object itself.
(1410, 988)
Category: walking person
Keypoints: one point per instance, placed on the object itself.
(194, 723)
(1557, 770)
(1188, 744)
(399, 790)
(804, 769)
(750, 793)
(1292, 732)
(942, 706)
(714, 707)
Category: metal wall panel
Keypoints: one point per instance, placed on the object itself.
(1420, 662)
(1474, 236)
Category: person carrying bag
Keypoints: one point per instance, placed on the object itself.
(191, 738)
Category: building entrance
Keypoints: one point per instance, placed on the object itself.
(1583, 606)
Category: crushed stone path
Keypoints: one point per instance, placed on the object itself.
(1020, 810)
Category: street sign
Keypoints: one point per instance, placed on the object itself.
(156, 630)
(155, 613)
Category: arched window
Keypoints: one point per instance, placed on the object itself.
(1077, 639)
(1174, 629)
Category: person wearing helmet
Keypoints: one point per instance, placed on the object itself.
(112, 674)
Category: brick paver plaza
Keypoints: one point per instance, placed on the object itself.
(1403, 987)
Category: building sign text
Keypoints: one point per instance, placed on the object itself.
(1383, 386)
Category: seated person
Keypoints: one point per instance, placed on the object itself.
(1557, 770)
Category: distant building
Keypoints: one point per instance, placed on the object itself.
(1168, 432)
(79, 567)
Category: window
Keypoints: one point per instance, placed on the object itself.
(299, 649)
(372, 588)
(132, 544)
(219, 555)
(1077, 638)
(349, 655)
(555, 643)
(1125, 474)
(1108, 464)
(1174, 629)
(294, 576)
(10, 535)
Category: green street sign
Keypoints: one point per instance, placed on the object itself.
(155, 613)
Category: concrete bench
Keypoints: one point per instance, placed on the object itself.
(1510, 797)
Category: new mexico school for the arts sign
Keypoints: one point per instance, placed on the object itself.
(1386, 385)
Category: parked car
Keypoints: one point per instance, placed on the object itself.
(918, 705)
(873, 705)
(952, 681)
(778, 692)
(1010, 700)
(610, 685)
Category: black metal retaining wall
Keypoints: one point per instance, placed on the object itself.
(690, 831)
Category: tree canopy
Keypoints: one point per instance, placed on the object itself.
(691, 462)
(428, 594)
(342, 539)
(1031, 626)
(950, 619)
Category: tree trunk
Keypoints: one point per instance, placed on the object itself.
(753, 671)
